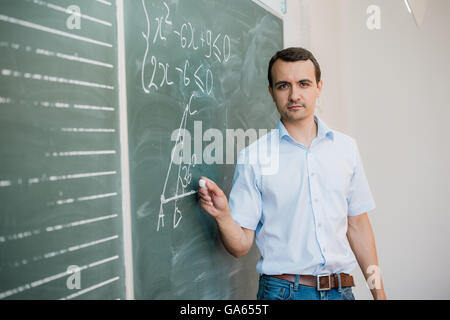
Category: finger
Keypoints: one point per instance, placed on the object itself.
(212, 186)
(206, 203)
(202, 191)
(205, 197)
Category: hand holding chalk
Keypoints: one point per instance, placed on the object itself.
(212, 199)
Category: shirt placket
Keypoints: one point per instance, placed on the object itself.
(315, 202)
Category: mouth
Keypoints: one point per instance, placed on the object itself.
(295, 107)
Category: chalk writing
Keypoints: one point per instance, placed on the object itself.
(156, 73)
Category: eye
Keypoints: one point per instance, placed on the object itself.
(282, 86)
(304, 84)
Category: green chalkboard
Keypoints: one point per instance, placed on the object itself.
(196, 65)
(60, 185)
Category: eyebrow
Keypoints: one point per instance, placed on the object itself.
(280, 82)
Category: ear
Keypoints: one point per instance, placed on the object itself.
(271, 92)
(319, 86)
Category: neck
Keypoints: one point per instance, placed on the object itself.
(302, 131)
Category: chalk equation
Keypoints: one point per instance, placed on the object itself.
(198, 79)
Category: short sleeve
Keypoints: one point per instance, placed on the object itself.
(360, 199)
(245, 196)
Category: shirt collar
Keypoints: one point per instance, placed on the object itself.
(322, 130)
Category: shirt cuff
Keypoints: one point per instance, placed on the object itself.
(361, 210)
(245, 222)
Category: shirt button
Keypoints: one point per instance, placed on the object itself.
(312, 174)
(319, 225)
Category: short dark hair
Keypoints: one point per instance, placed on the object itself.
(291, 55)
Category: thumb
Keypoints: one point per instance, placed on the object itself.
(211, 186)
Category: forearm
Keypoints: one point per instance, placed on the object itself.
(236, 239)
(362, 242)
(233, 236)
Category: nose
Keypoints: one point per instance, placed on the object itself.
(296, 94)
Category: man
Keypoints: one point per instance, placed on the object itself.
(310, 217)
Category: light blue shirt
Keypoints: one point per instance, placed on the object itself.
(299, 211)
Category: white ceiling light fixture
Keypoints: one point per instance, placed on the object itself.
(418, 9)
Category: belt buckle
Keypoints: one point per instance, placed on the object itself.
(329, 282)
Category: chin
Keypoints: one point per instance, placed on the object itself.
(296, 117)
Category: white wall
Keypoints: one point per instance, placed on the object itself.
(390, 89)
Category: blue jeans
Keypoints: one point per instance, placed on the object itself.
(271, 288)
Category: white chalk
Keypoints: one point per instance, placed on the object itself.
(202, 183)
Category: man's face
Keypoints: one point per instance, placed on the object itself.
(295, 89)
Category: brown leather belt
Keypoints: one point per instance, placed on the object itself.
(322, 282)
